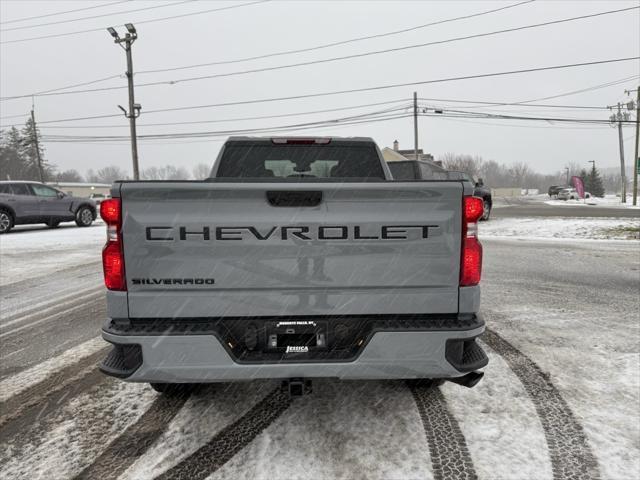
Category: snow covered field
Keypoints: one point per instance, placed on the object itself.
(560, 228)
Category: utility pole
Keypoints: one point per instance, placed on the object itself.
(618, 118)
(567, 169)
(134, 108)
(35, 141)
(636, 158)
(415, 124)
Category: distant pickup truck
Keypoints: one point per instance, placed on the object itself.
(299, 258)
(422, 170)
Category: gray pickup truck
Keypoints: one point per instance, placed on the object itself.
(299, 258)
(24, 203)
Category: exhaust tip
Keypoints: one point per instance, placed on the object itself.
(469, 380)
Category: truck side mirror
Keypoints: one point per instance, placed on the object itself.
(61, 195)
(479, 183)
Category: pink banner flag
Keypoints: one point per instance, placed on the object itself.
(578, 185)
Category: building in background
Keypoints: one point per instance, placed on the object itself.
(397, 155)
(81, 189)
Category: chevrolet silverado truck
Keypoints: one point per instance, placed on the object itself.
(298, 258)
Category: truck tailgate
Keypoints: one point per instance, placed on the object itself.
(196, 249)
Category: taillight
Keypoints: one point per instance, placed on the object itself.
(471, 254)
(112, 254)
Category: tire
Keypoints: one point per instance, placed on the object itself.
(84, 217)
(53, 223)
(486, 211)
(6, 221)
(175, 389)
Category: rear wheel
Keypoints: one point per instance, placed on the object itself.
(174, 389)
(486, 211)
(6, 221)
(84, 217)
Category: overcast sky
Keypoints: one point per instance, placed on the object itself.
(275, 26)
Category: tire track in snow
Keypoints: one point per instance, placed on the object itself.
(71, 379)
(450, 457)
(569, 449)
(135, 440)
(230, 440)
(75, 434)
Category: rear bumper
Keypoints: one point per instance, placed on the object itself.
(429, 351)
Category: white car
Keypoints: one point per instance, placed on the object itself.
(571, 194)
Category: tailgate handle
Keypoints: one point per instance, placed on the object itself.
(283, 198)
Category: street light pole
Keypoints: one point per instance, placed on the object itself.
(567, 169)
(134, 108)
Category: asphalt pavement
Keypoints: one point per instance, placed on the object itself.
(523, 207)
(559, 398)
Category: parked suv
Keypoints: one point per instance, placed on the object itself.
(554, 190)
(33, 202)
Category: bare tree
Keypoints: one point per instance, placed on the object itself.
(520, 173)
(461, 163)
(71, 175)
(108, 174)
(201, 171)
(165, 173)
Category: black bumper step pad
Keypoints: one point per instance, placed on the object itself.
(465, 355)
(122, 361)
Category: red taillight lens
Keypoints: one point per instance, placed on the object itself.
(473, 209)
(471, 267)
(112, 256)
(471, 251)
(113, 265)
(110, 211)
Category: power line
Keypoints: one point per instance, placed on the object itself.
(357, 90)
(62, 13)
(318, 47)
(450, 100)
(137, 22)
(574, 92)
(484, 122)
(237, 119)
(397, 85)
(334, 44)
(333, 59)
(365, 118)
(474, 115)
(96, 16)
(225, 133)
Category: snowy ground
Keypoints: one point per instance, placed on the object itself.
(35, 251)
(562, 228)
(560, 398)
